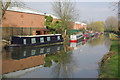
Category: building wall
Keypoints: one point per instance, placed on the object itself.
(77, 26)
(85, 26)
(20, 19)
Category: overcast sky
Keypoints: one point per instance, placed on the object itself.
(96, 11)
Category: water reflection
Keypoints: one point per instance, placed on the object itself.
(60, 70)
(24, 53)
(71, 60)
(76, 45)
(107, 41)
(96, 41)
(22, 58)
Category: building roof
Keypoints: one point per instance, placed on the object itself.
(83, 24)
(54, 17)
(29, 10)
(25, 10)
(80, 23)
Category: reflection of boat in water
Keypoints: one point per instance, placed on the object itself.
(18, 53)
(21, 58)
(76, 45)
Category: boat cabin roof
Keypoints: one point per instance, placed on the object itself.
(37, 35)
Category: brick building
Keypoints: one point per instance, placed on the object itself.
(78, 25)
(21, 21)
(19, 17)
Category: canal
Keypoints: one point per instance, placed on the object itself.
(71, 60)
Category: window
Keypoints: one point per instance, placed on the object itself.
(33, 40)
(33, 52)
(24, 54)
(48, 38)
(58, 37)
(48, 50)
(41, 40)
(42, 50)
(24, 41)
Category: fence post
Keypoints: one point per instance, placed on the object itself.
(12, 31)
(30, 30)
(21, 30)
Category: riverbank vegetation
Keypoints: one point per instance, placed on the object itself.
(111, 24)
(96, 26)
(109, 63)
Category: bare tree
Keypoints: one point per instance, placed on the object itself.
(65, 10)
(9, 3)
(111, 23)
(119, 16)
(116, 8)
(4, 4)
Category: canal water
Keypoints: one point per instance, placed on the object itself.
(70, 60)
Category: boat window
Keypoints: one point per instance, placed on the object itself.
(33, 40)
(48, 50)
(41, 40)
(48, 38)
(24, 54)
(42, 50)
(58, 37)
(24, 41)
(33, 52)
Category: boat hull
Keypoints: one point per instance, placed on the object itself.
(78, 40)
(38, 44)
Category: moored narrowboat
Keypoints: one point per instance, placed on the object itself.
(34, 40)
(76, 38)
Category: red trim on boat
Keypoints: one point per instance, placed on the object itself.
(73, 40)
(53, 37)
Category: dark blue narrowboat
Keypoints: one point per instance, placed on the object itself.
(34, 40)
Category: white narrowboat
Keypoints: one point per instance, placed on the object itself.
(76, 37)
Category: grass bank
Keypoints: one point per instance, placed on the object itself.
(109, 63)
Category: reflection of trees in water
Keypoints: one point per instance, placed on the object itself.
(6, 54)
(99, 40)
(62, 59)
(51, 57)
(96, 41)
(107, 41)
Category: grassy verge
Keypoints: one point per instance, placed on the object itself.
(109, 68)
